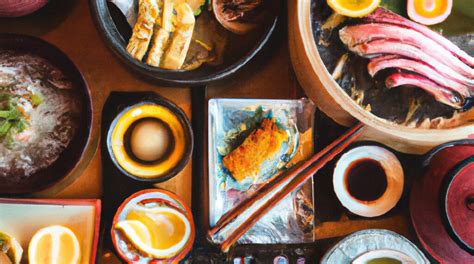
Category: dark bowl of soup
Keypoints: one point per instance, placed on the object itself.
(45, 115)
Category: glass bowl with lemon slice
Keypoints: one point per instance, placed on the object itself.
(151, 225)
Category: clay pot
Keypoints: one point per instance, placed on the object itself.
(337, 104)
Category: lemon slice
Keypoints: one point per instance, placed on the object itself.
(10, 249)
(54, 245)
(168, 230)
(135, 230)
(354, 8)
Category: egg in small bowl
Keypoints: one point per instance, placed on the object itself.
(150, 141)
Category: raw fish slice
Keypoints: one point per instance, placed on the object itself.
(363, 33)
(382, 15)
(440, 93)
(393, 61)
(381, 47)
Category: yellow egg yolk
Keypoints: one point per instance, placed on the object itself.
(430, 8)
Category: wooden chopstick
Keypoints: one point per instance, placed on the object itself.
(287, 182)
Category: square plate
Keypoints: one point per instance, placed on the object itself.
(22, 218)
(230, 122)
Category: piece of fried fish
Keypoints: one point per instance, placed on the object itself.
(261, 145)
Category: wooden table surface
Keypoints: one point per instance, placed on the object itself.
(69, 26)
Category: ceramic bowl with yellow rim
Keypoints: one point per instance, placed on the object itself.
(153, 226)
(150, 141)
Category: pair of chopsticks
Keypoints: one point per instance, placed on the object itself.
(237, 221)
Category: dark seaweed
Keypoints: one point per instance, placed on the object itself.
(390, 104)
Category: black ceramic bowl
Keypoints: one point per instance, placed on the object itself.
(70, 158)
(114, 28)
(187, 137)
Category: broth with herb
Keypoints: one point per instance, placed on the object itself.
(38, 114)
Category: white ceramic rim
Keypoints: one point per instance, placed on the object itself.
(394, 175)
(384, 253)
(357, 243)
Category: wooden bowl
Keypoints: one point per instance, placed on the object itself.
(71, 160)
(337, 104)
(115, 30)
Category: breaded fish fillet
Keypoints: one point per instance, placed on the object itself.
(261, 145)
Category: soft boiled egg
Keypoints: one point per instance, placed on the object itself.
(429, 12)
(149, 140)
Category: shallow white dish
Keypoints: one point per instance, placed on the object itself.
(21, 218)
(362, 242)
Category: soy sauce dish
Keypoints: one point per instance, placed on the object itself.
(368, 180)
(150, 141)
(190, 42)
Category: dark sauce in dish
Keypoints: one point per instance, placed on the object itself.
(366, 180)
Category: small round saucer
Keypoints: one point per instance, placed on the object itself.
(436, 194)
(385, 243)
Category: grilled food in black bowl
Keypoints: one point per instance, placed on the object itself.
(214, 52)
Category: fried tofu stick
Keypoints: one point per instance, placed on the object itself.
(163, 27)
(142, 31)
(176, 54)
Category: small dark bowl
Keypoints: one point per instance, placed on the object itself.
(70, 158)
(115, 30)
(188, 138)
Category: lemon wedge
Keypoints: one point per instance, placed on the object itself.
(160, 232)
(135, 231)
(54, 245)
(354, 8)
(10, 249)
